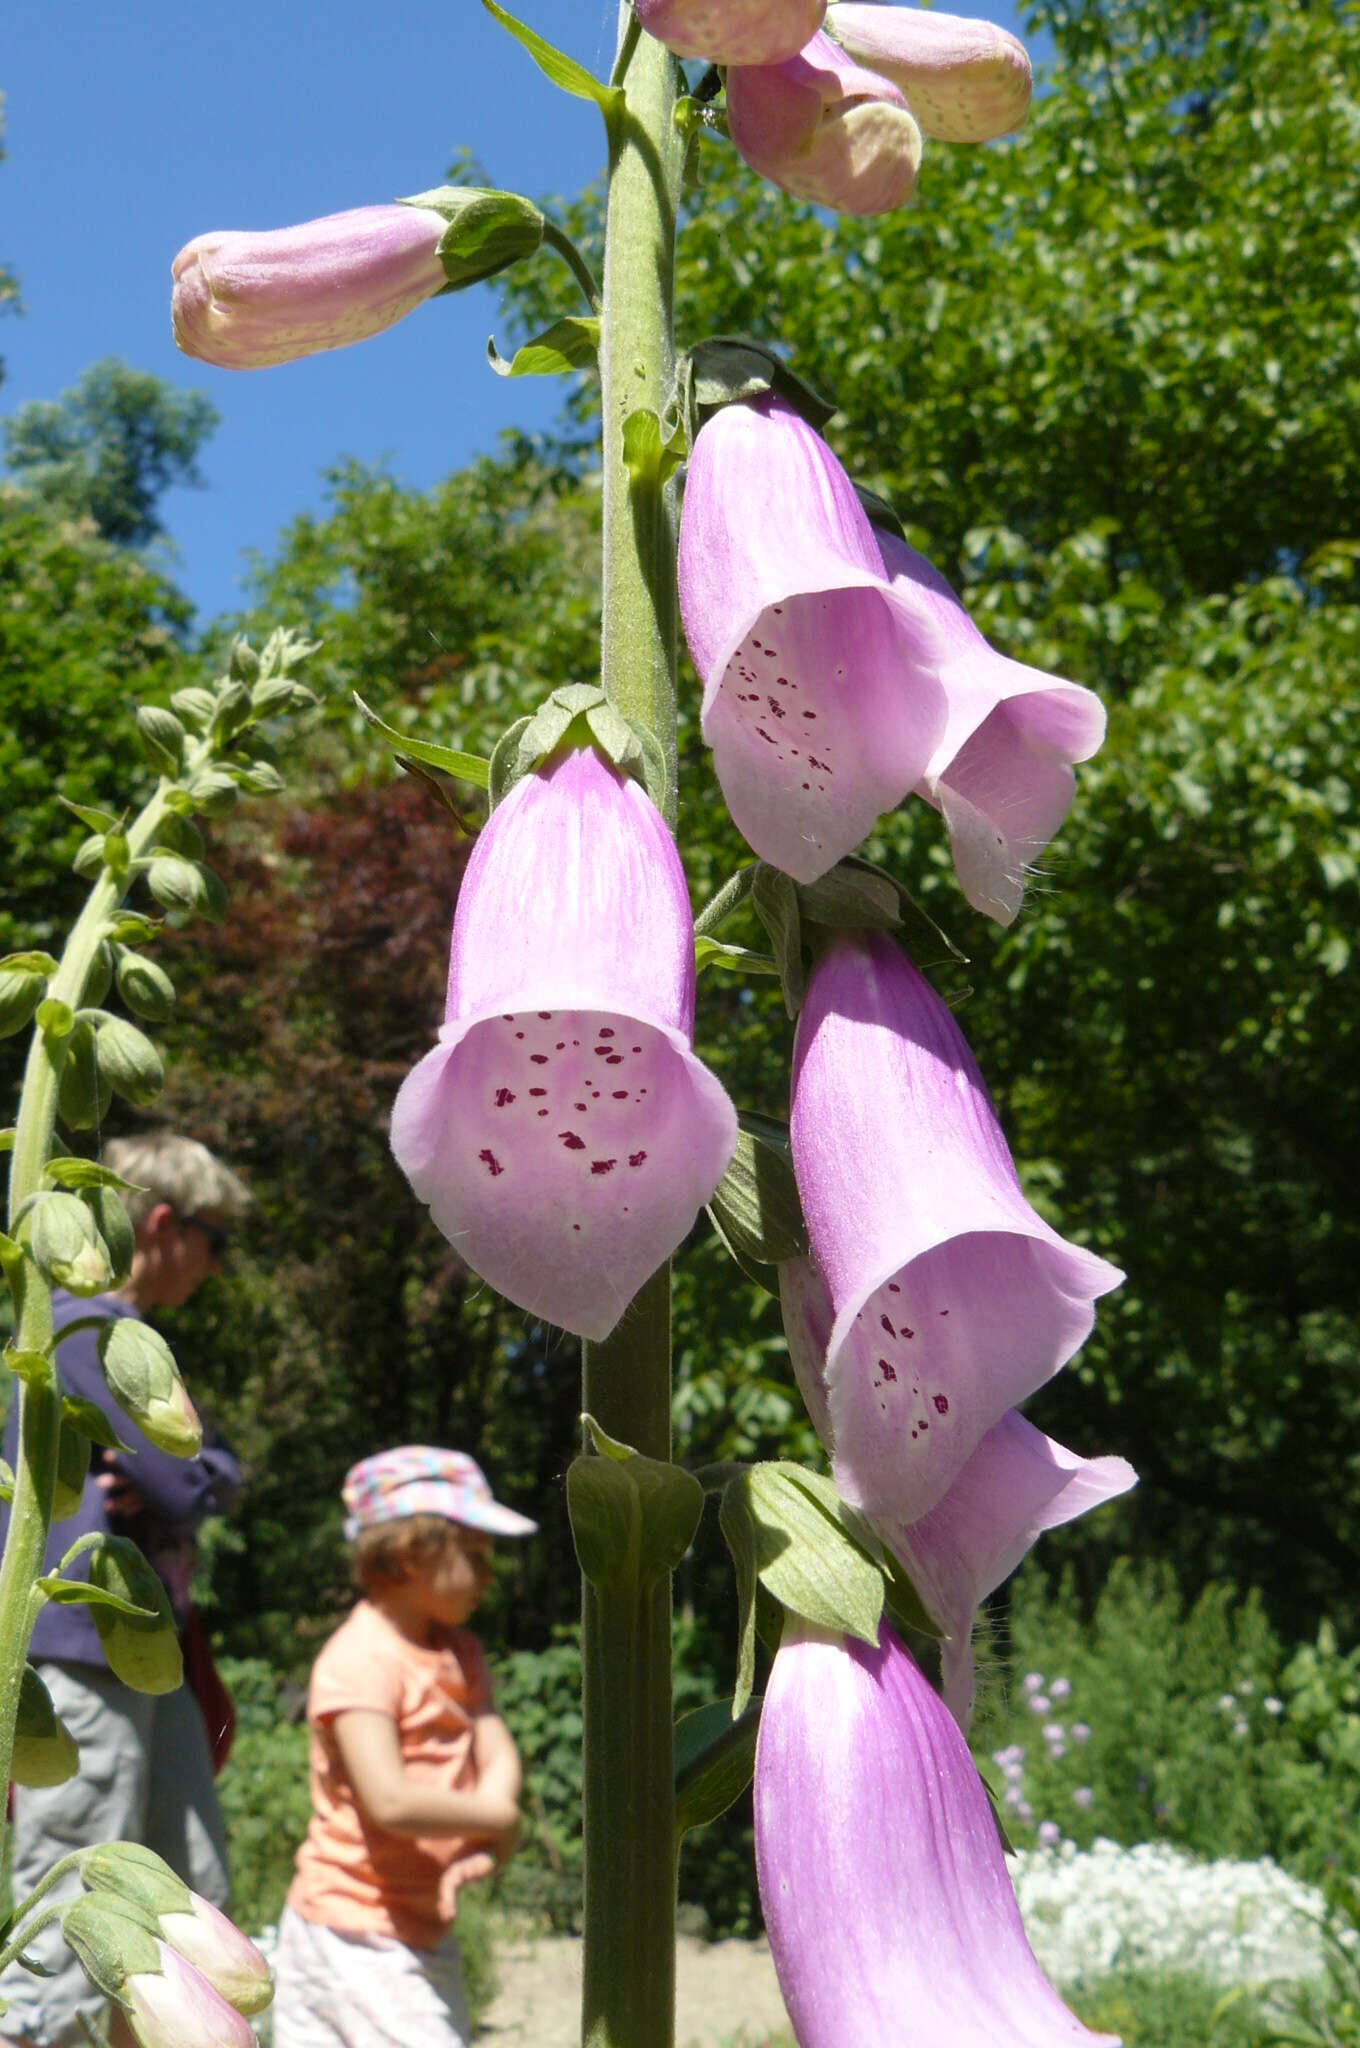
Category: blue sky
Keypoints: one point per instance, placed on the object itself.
(130, 128)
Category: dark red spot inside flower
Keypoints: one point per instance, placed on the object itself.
(504, 1095)
(605, 1031)
(893, 1287)
(941, 1404)
(603, 1165)
(534, 1091)
(887, 1326)
(782, 681)
(545, 1016)
(571, 1141)
(637, 1048)
(905, 1332)
(889, 1372)
(581, 1106)
(944, 1311)
(576, 1226)
(491, 1162)
(620, 1095)
(765, 735)
(615, 1060)
(601, 1052)
(776, 708)
(519, 1034)
(819, 764)
(636, 1158)
(538, 1059)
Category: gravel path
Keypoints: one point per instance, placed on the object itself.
(727, 1996)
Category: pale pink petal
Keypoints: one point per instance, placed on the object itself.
(732, 31)
(890, 1915)
(176, 2007)
(821, 700)
(246, 300)
(953, 1299)
(220, 1952)
(823, 129)
(1017, 1483)
(965, 80)
(1001, 772)
(562, 1133)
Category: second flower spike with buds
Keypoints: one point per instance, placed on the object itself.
(562, 1132)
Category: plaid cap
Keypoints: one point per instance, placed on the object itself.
(418, 1479)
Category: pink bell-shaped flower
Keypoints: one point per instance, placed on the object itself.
(822, 702)
(890, 1915)
(732, 31)
(822, 128)
(1002, 771)
(952, 1300)
(965, 81)
(562, 1132)
(1017, 1484)
(220, 1952)
(246, 301)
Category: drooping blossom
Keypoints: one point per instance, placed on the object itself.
(562, 1132)
(220, 1952)
(732, 31)
(247, 301)
(822, 128)
(889, 1911)
(951, 1299)
(1017, 1483)
(821, 696)
(965, 81)
(1001, 773)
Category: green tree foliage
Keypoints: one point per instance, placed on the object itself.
(107, 449)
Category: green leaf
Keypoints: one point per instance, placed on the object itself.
(80, 1593)
(880, 512)
(648, 456)
(69, 1172)
(615, 737)
(716, 953)
(774, 898)
(900, 1595)
(11, 1260)
(97, 821)
(34, 1367)
(131, 928)
(854, 898)
(90, 1421)
(632, 1518)
(759, 1275)
(735, 1521)
(715, 1754)
(805, 1558)
(756, 1203)
(54, 1018)
(563, 71)
(504, 770)
(728, 368)
(467, 767)
(565, 346)
(7, 1139)
(919, 933)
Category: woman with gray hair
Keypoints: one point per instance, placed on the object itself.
(146, 1763)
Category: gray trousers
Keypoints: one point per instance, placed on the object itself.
(145, 1776)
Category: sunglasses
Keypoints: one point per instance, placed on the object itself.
(218, 1238)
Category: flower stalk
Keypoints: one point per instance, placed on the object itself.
(628, 1788)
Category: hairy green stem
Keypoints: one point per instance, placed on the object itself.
(729, 898)
(628, 1781)
(24, 1937)
(35, 1471)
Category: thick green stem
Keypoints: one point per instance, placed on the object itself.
(628, 1783)
(40, 1397)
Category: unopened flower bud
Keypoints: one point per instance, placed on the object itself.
(83, 1092)
(89, 857)
(246, 301)
(128, 1061)
(212, 790)
(733, 31)
(965, 81)
(194, 1929)
(114, 1225)
(233, 711)
(21, 991)
(162, 735)
(822, 129)
(73, 1469)
(45, 1752)
(66, 1245)
(144, 1380)
(143, 1648)
(146, 988)
(168, 2003)
(244, 662)
(176, 884)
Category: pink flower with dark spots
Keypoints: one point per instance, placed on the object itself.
(822, 128)
(915, 1213)
(786, 602)
(572, 959)
(890, 1914)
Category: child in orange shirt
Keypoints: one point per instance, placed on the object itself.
(415, 1780)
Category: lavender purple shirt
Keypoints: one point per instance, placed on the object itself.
(179, 1492)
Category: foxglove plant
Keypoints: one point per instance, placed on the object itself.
(563, 1133)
